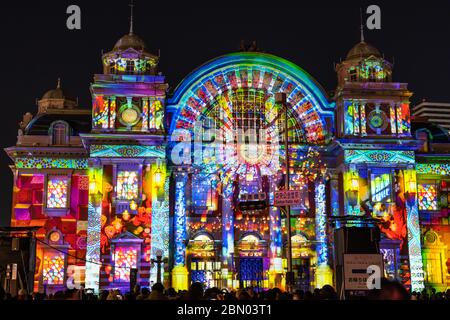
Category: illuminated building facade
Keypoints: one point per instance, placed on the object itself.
(191, 176)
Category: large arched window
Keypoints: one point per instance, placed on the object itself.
(60, 133)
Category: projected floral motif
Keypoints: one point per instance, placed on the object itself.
(53, 269)
(125, 259)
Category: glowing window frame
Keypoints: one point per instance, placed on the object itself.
(45, 269)
(68, 192)
(127, 247)
(135, 186)
(59, 133)
(434, 202)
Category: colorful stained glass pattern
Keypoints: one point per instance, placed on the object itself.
(379, 156)
(125, 259)
(428, 198)
(349, 112)
(57, 190)
(393, 119)
(112, 112)
(128, 151)
(101, 113)
(121, 65)
(53, 269)
(406, 121)
(51, 163)
(363, 120)
(145, 114)
(436, 169)
(372, 70)
(356, 119)
(127, 185)
(156, 115)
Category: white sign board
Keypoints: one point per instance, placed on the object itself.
(356, 271)
(287, 198)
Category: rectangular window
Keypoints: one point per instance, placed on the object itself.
(363, 120)
(130, 67)
(428, 198)
(125, 259)
(356, 118)
(53, 269)
(349, 111)
(393, 120)
(381, 187)
(57, 191)
(433, 268)
(127, 185)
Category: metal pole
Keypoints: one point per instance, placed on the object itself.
(158, 272)
(281, 98)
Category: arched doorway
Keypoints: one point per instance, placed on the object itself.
(204, 267)
(303, 260)
(252, 264)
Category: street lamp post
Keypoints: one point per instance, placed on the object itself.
(281, 99)
(158, 261)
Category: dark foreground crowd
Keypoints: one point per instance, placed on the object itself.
(390, 290)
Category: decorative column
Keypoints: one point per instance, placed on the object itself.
(180, 273)
(324, 274)
(160, 215)
(145, 114)
(228, 233)
(334, 186)
(276, 246)
(112, 112)
(100, 112)
(93, 261)
(362, 110)
(414, 241)
(152, 114)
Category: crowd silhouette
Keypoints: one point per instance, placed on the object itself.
(390, 290)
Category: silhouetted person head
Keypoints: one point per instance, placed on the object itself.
(298, 295)
(328, 293)
(243, 295)
(171, 293)
(158, 287)
(195, 291)
(391, 290)
(271, 295)
(308, 295)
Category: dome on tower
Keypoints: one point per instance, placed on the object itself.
(56, 93)
(130, 55)
(56, 99)
(364, 63)
(130, 41)
(363, 50)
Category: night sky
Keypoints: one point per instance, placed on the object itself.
(37, 48)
